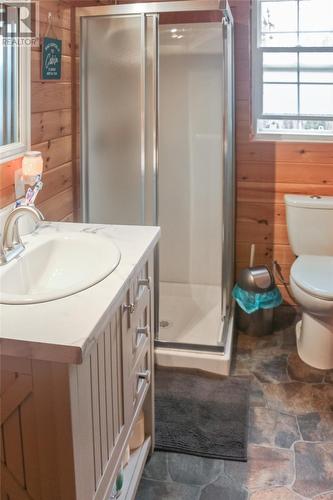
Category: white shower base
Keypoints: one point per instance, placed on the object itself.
(193, 316)
(192, 311)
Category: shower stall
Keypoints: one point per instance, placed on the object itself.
(157, 147)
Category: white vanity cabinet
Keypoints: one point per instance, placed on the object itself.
(65, 426)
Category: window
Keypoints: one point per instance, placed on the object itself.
(292, 65)
(14, 85)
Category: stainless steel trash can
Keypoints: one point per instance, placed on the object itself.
(258, 280)
(256, 324)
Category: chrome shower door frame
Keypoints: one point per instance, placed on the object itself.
(83, 16)
(228, 220)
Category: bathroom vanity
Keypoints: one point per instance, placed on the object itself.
(75, 374)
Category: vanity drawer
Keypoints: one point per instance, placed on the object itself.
(140, 332)
(141, 282)
(140, 379)
(138, 299)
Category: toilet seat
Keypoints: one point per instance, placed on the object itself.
(314, 275)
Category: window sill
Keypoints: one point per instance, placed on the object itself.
(12, 152)
(271, 137)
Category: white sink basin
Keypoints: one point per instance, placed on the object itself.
(57, 265)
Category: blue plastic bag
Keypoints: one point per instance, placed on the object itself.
(251, 301)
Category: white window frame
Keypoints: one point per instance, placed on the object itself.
(257, 87)
(14, 150)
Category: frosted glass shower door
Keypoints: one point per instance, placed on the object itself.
(116, 74)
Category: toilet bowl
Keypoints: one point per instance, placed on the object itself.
(310, 234)
(311, 281)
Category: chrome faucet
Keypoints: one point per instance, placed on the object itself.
(11, 245)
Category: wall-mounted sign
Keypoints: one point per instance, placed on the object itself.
(51, 59)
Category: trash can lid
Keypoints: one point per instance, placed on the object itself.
(256, 279)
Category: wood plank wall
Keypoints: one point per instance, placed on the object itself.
(267, 170)
(51, 129)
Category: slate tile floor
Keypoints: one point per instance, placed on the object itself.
(290, 453)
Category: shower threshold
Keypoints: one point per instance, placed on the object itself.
(191, 333)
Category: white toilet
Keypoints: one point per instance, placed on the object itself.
(310, 231)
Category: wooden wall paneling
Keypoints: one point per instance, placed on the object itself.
(68, 218)
(7, 196)
(60, 13)
(261, 213)
(285, 173)
(55, 152)
(271, 193)
(284, 151)
(51, 122)
(265, 253)
(50, 125)
(50, 96)
(267, 170)
(56, 180)
(261, 232)
(7, 173)
(57, 207)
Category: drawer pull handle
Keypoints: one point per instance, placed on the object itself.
(145, 282)
(143, 330)
(129, 307)
(144, 376)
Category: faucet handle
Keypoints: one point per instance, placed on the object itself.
(11, 237)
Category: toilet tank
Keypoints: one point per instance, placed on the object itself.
(310, 224)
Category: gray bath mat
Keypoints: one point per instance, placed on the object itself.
(201, 415)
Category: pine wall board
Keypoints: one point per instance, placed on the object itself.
(51, 123)
(266, 171)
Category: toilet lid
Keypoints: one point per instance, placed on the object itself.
(314, 274)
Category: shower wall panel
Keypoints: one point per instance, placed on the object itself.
(190, 156)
